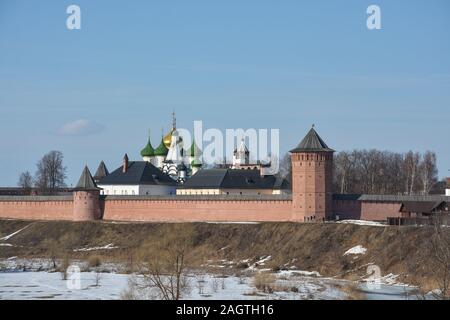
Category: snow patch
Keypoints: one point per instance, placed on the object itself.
(13, 234)
(359, 249)
(362, 223)
(232, 222)
(302, 273)
(107, 247)
(6, 245)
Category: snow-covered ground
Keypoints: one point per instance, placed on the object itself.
(362, 223)
(49, 285)
(289, 284)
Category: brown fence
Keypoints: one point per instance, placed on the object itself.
(442, 219)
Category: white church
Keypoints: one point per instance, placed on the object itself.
(171, 169)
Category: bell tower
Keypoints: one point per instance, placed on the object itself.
(312, 174)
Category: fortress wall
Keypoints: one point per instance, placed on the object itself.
(379, 211)
(198, 210)
(179, 210)
(37, 208)
(347, 209)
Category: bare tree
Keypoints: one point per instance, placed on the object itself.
(285, 170)
(411, 165)
(440, 260)
(162, 272)
(53, 250)
(51, 173)
(26, 181)
(385, 172)
(428, 171)
(98, 277)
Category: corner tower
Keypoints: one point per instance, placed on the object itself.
(86, 198)
(312, 174)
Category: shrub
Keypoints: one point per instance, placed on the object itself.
(264, 282)
(94, 261)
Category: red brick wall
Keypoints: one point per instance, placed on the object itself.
(379, 211)
(37, 210)
(347, 209)
(197, 210)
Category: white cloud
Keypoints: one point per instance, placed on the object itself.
(80, 127)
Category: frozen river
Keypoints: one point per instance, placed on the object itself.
(49, 285)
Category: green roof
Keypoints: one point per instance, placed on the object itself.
(162, 149)
(194, 150)
(148, 150)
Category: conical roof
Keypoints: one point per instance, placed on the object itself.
(148, 150)
(102, 171)
(312, 142)
(194, 150)
(162, 149)
(86, 181)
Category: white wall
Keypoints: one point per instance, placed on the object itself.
(447, 192)
(134, 190)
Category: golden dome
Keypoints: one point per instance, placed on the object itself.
(168, 139)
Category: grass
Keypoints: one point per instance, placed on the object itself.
(312, 247)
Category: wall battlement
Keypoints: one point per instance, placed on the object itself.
(149, 208)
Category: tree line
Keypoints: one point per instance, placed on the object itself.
(386, 172)
(381, 172)
(50, 175)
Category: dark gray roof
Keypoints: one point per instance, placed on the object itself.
(86, 181)
(138, 173)
(37, 198)
(391, 198)
(421, 206)
(402, 198)
(232, 179)
(312, 142)
(226, 197)
(102, 171)
(352, 197)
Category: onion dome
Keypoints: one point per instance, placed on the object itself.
(167, 139)
(162, 149)
(194, 150)
(148, 150)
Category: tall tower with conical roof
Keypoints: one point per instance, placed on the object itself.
(86, 198)
(312, 174)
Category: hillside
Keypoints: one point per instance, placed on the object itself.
(404, 251)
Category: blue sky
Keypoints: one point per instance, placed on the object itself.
(233, 64)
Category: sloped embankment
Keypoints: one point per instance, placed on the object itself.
(404, 251)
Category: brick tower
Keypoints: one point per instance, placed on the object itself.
(312, 174)
(86, 198)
